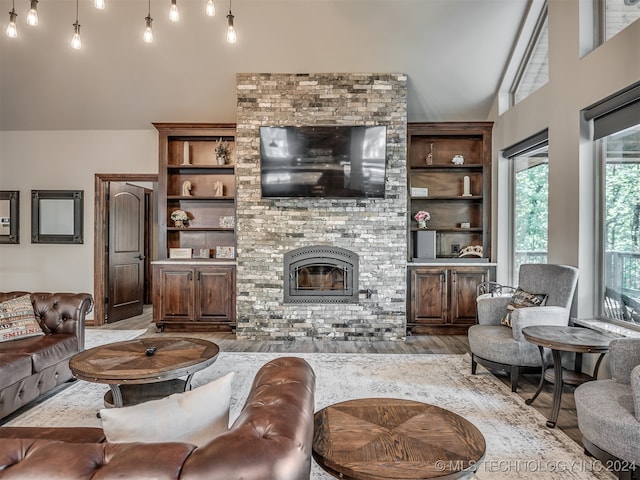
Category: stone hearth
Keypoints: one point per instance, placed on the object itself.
(375, 229)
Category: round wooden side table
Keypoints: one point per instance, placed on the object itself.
(565, 339)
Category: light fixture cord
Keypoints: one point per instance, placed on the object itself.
(77, 10)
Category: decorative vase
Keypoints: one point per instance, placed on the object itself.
(179, 223)
(221, 159)
(422, 224)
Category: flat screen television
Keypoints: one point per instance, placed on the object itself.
(323, 161)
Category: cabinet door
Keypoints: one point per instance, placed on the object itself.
(176, 294)
(429, 295)
(463, 293)
(215, 298)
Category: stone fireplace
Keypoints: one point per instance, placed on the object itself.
(369, 296)
(320, 274)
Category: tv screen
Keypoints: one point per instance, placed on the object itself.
(323, 161)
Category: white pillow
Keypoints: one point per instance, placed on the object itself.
(196, 416)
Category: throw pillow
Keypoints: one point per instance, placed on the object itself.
(522, 299)
(196, 416)
(18, 320)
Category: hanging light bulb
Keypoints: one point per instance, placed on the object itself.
(12, 30)
(148, 33)
(211, 8)
(231, 32)
(76, 42)
(99, 4)
(174, 15)
(32, 16)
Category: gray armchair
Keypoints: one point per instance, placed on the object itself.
(609, 410)
(499, 347)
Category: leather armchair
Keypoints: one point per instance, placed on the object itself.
(609, 411)
(499, 347)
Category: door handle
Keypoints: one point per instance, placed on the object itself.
(140, 257)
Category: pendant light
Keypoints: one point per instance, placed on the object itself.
(231, 32)
(99, 4)
(32, 16)
(12, 30)
(76, 42)
(174, 14)
(148, 33)
(210, 9)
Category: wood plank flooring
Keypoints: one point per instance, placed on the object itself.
(416, 344)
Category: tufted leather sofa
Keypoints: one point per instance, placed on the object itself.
(270, 440)
(32, 366)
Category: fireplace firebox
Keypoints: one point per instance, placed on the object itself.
(320, 274)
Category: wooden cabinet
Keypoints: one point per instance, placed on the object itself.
(456, 195)
(195, 179)
(443, 298)
(198, 297)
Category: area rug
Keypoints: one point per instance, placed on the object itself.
(94, 336)
(518, 442)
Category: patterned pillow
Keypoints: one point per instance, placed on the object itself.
(17, 319)
(521, 299)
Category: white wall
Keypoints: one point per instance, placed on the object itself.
(574, 84)
(63, 160)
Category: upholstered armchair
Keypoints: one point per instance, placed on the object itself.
(609, 410)
(500, 347)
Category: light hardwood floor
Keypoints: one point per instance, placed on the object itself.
(416, 344)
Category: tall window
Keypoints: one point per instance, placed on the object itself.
(534, 70)
(621, 224)
(616, 130)
(616, 15)
(529, 200)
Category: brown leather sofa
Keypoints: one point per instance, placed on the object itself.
(270, 440)
(32, 366)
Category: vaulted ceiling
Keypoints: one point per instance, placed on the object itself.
(453, 51)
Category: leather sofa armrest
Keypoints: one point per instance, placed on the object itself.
(63, 312)
(273, 435)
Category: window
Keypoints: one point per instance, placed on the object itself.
(616, 131)
(529, 201)
(616, 15)
(620, 158)
(534, 70)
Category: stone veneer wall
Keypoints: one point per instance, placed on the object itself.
(375, 229)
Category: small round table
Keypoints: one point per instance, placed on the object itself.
(565, 339)
(389, 438)
(144, 369)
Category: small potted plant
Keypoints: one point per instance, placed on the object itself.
(421, 217)
(180, 218)
(222, 152)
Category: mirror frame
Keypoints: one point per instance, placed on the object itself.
(14, 214)
(78, 216)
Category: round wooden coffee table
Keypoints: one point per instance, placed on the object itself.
(144, 369)
(388, 438)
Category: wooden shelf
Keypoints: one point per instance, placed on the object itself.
(201, 229)
(443, 167)
(457, 198)
(199, 198)
(449, 229)
(442, 297)
(195, 293)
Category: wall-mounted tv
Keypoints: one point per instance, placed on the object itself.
(323, 161)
